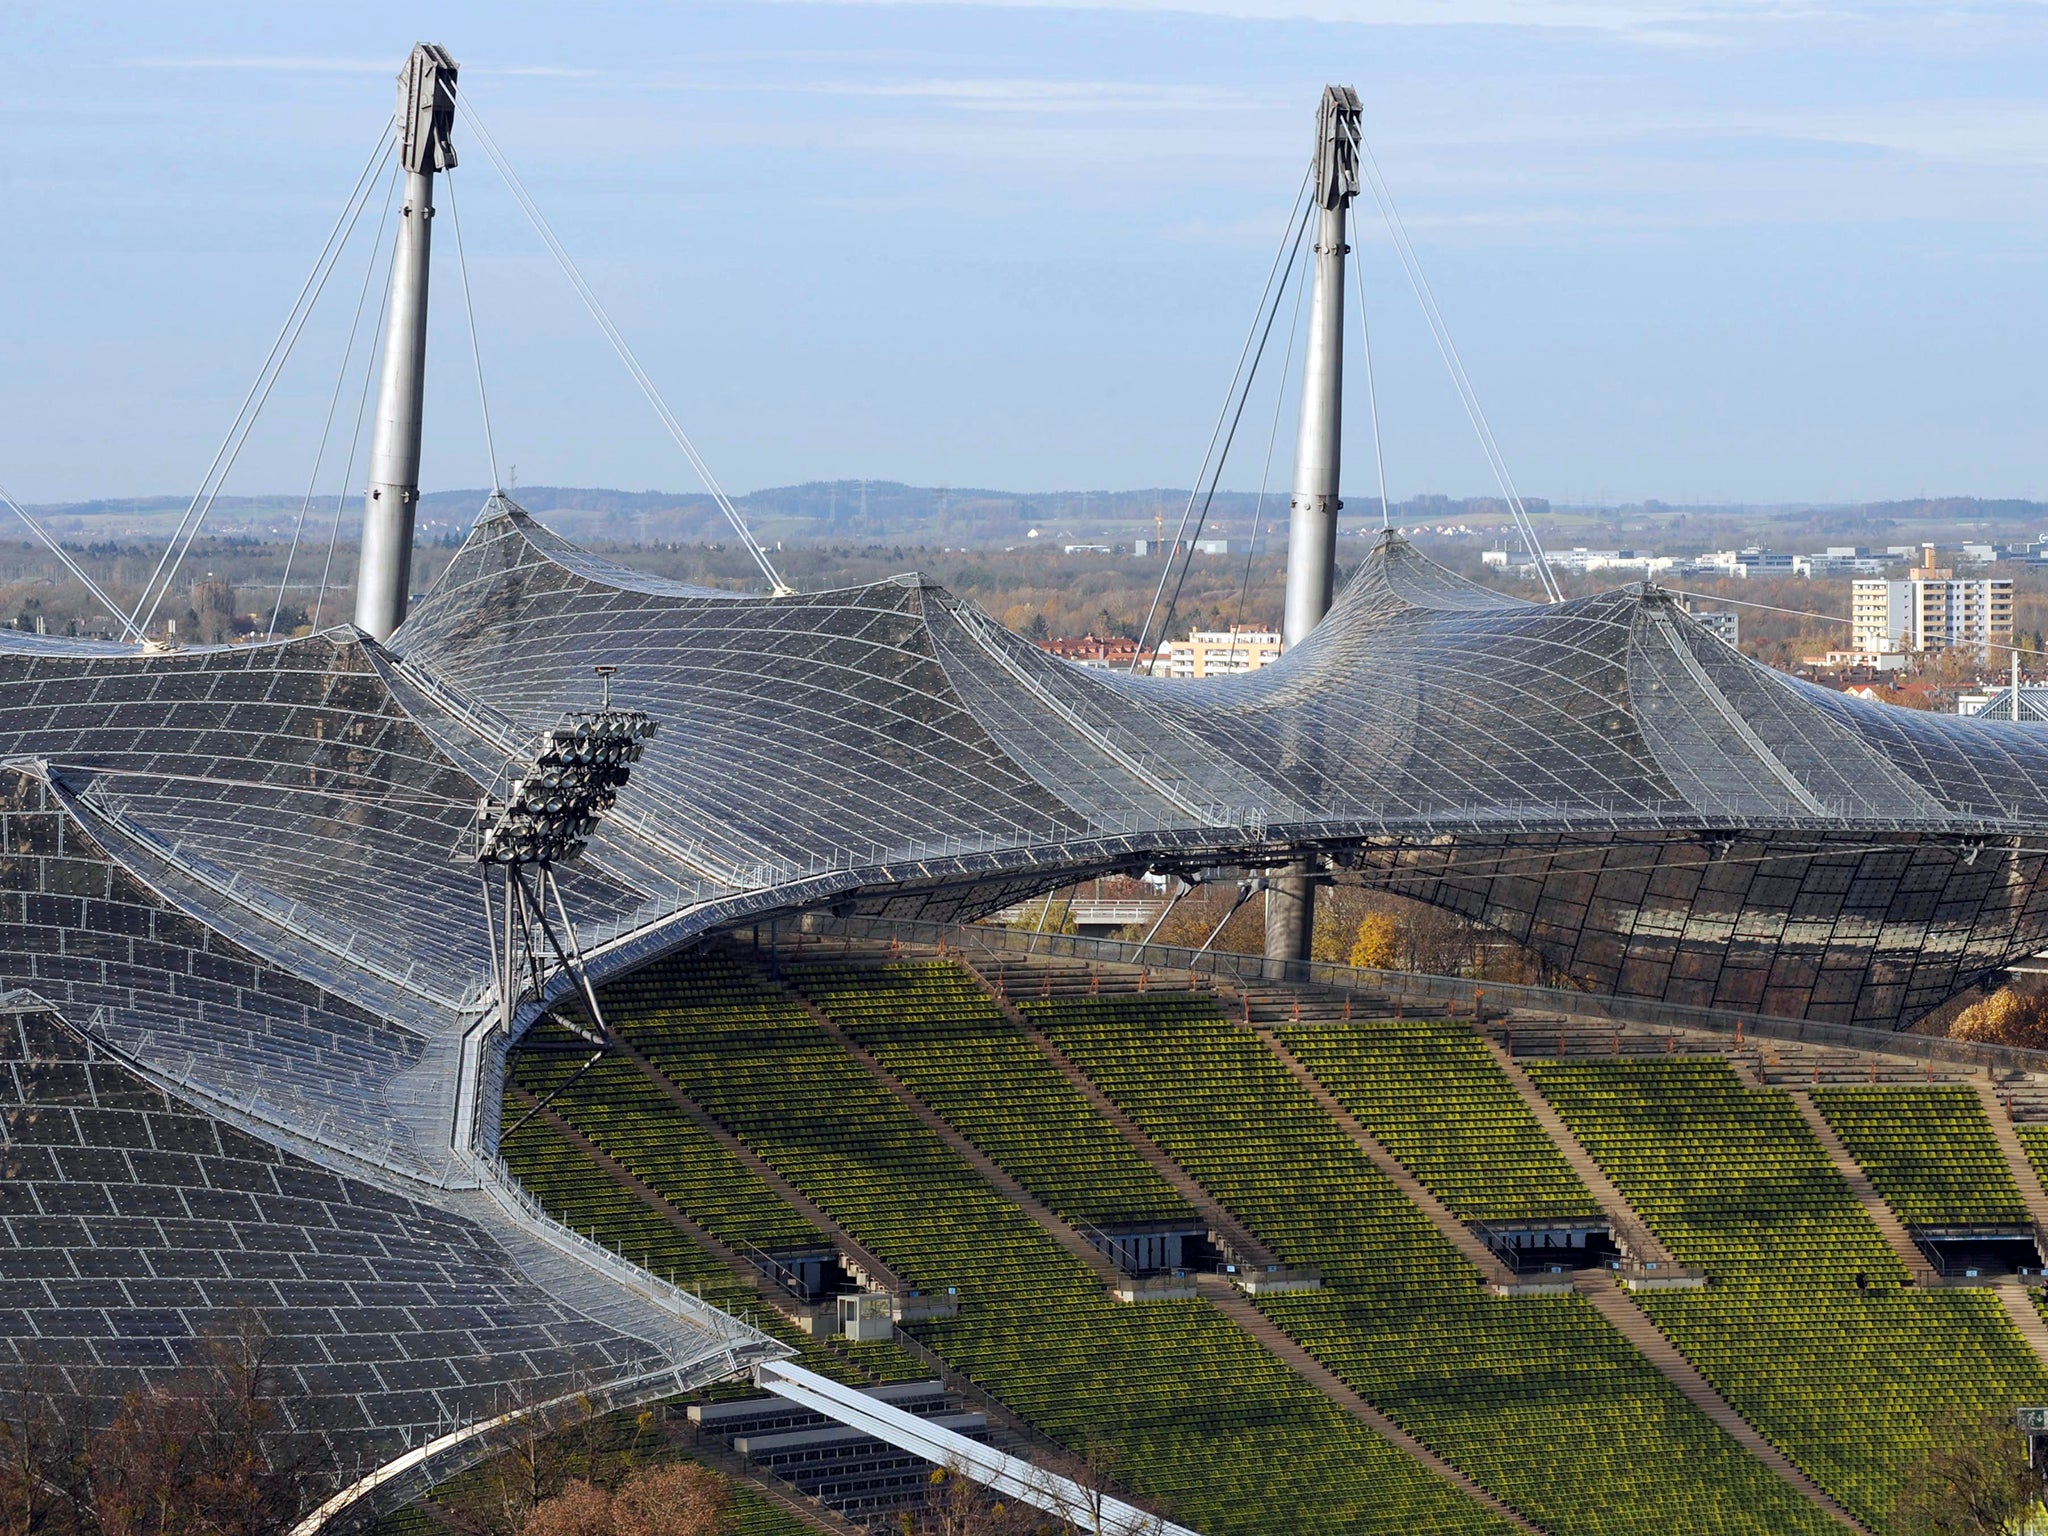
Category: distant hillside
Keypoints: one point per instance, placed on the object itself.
(857, 512)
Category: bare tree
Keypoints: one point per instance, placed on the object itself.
(207, 1449)
(1974, 1481)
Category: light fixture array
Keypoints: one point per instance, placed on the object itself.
(578, 769)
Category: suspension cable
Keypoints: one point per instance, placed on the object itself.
(475, 351)
(1290, 248)
(259, 390)
(1372, 394)
(1244, 586)
(1455, 365)
(1187, 562)
(618, 342)
(355, 438)
(334, 401)
(70, 564)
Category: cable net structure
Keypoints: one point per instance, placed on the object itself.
(246, 876)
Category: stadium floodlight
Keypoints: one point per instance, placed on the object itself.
(578, 768)
(547, 814)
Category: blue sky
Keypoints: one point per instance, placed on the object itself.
(1714, 250)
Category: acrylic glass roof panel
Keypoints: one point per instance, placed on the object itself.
(191, 1228)
(798, 726)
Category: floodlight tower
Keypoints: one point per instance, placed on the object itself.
(550, 807)
(426, 118)
(1312, 518)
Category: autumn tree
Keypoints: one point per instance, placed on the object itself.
(675, 1499)
(1377, 946)
(2006, 1017)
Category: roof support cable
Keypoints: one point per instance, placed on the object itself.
(1185, 539)
(1372, 394)
(71, 565)
(1290, 247)
(1729, 713)
(1244, 585)
(1454, 364)
(475, 350)
(259, 391)
(618, 343)
(348, 352)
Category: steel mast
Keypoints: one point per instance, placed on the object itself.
(1312, 519)
(426, 117)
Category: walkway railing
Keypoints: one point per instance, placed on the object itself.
(1460, 993)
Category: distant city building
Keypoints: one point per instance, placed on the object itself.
(1112, 652)
(1722, 621)
(1742, 564)
(1214, 546)
(1218, 652)
(1930, 610)
(1843, 560)
(1847, 661)
(1085, 549)
(1582, 559)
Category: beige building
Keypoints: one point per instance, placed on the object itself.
(1217, 652)
(1931, 611)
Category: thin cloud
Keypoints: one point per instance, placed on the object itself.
(1665, 20)
(310, 65)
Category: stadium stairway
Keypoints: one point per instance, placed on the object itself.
(1231, 1233)
(1630, 1321)
(1060, 1231)
(1460, 1236)
(1216, 1289)
(706, 1239)
(855, 1255)
(1882, 1216)
(1239, 1308)
(2006, 1133)
(2025, 1312)
(1631, 1233)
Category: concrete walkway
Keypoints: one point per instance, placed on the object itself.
(1633, 1324)
(1631, 1233)
(2008, 1137)
(2019, 1306)
(1882, 1216)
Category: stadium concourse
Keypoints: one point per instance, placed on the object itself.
(258, 1037)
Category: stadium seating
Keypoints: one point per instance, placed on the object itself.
(1538, 1398)
(616, 1106)
(580, 1194)
(932, 1026)
(1929, 1152)
(1805, 1327)
(1192, 1412)
(1434, 1097)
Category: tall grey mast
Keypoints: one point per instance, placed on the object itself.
(426, 117)
(1312, 519)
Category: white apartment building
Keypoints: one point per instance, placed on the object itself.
(1931, 611)
(1217, 652)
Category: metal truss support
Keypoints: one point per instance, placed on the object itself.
(528, 945)
(1085, 1509)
